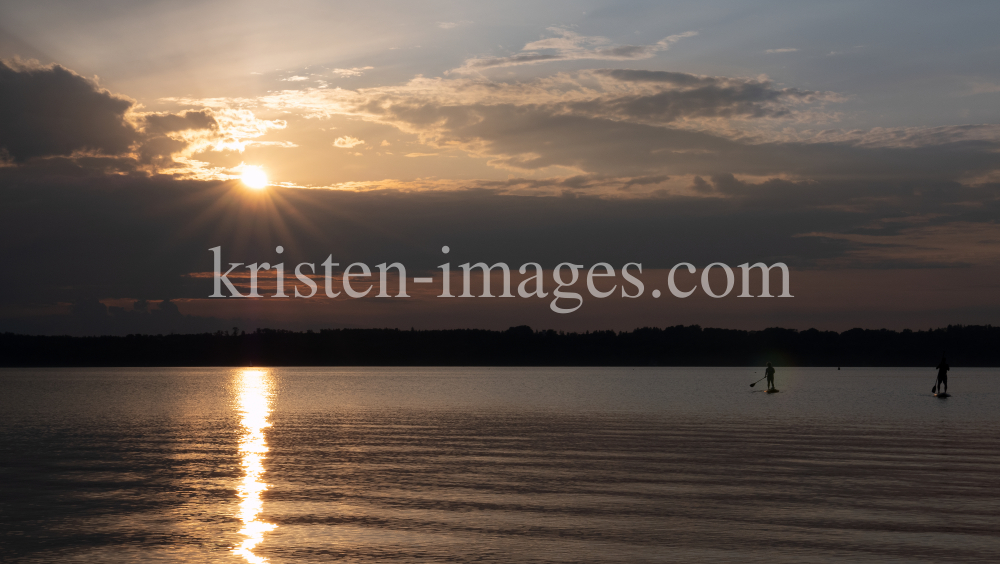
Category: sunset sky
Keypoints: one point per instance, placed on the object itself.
(857, 142)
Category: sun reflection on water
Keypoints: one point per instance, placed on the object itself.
(254, 403)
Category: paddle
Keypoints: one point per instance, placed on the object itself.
(757, 382)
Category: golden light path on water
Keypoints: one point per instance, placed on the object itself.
(254, 403)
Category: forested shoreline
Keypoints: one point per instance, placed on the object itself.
(517, 346)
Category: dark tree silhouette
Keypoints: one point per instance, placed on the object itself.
(517, 346)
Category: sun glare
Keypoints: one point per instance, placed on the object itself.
(254, 177)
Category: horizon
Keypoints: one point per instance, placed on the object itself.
(965, 346)
(248, 331)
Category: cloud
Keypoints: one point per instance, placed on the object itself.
(346, 73)
(166, 135)
(595, 121)
(569, 46)
(959, 243)
(685, 96)
(238, 129)
(452, 25)
(699, 142)
(620, 123)
(681, 99)
(295, 79)
(783, 50)
(347, 142)
(631, 123)
(180, 152)
(172, 223)
(161, 123)
(910, 137)
(982, 87)
(52, 111)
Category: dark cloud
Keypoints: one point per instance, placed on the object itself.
(663, 123)
(583, 183)
(673, 78)
(634, 97)
(538, 136)
(643, 181)
(701, 186)
(52, 111)
(76, 238)
(744, 101)
(692, 96)
(158, 147)
(513, 60)
(157, 124)
(130, 237)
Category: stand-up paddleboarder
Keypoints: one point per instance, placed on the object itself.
(942, 378)
(769, 374)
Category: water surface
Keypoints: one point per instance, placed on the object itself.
(497, 465)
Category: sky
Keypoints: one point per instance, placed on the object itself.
(858, 143)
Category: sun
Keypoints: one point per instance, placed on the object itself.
(254, 177)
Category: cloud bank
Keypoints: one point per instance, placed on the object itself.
(600, 164)
(52, 111)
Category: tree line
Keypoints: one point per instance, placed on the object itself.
(518, 346)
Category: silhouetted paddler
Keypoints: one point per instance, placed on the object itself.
(942, 377)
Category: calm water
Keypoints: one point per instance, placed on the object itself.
(506, 465)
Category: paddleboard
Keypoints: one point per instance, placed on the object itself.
(942, 395)
(771, 391)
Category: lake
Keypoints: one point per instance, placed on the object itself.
(498, 465)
